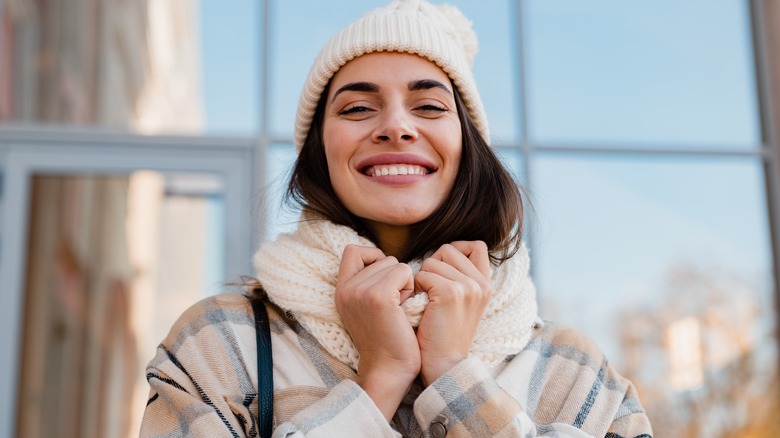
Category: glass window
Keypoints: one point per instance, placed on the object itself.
(183, 67)
(495, 66)
(666, 263)
(113, 260)
(298, 32)
(230, 62)
(514, 162)
(2, 200)
(279, 218)
(300, 29)
(652, 73)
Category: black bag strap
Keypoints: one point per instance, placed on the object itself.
(265, 370)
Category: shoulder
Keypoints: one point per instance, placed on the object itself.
(555, 351)
(211, 318)
(218, 330)
(556, 339)
(226, 301)
(205, 369)
(567, 351)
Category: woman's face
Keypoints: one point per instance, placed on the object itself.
(392, 138)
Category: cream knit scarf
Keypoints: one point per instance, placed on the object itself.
(298, 272)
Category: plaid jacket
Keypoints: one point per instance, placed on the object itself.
(204, 384)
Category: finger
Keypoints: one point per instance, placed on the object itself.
(430, 283)
(387, 286)
(459, 287)
(355, 258)
(408, 289)
(451, 255)
(477, 253)
(401, 278)
(383, 271)
(454, 273)
(447, 270)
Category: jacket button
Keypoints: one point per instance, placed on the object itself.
(438, 430)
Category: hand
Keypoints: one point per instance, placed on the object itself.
(370, 288)
(457, 279)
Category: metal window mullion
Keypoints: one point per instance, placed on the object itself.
(626, 149)
(15, 133)
(761, 25)
(522, 106)
(522, 118)
(260, 175)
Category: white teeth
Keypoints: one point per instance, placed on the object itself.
(403, 169)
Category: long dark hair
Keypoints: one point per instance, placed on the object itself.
(484, 204)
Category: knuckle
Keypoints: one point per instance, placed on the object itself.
(374, 297)
(339, 297)
(351, 250)
(403, 267)
(459, 289)
(473, 286)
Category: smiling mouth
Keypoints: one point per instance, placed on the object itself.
(396, 169)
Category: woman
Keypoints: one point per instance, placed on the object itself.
(401, 305)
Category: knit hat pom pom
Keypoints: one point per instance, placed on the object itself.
(460, 28)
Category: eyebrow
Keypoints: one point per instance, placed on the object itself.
(370, 87)
(427, 84)
(366, 87)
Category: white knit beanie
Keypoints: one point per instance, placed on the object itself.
(439, 33)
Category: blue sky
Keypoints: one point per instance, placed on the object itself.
(655, 73)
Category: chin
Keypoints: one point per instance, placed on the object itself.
(396, 212)
(404, 220)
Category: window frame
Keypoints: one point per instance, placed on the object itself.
(25, 152)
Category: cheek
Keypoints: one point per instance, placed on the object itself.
(336, 153)
(332, 165)
(455, 153)
(452, 142)
(337, 171)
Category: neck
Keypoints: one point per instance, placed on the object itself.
(391, 238)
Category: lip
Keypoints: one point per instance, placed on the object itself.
(390, 159)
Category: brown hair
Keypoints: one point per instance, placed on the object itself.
(484, 204)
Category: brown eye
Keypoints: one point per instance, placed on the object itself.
(431, 111)
(433, 108)
(356, 112)
(355, 109)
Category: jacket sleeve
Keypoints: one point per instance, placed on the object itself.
(467, 401)
(631, 419)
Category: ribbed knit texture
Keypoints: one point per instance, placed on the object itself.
(298, 272)
(439, 33)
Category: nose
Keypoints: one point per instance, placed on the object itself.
(395, 126)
